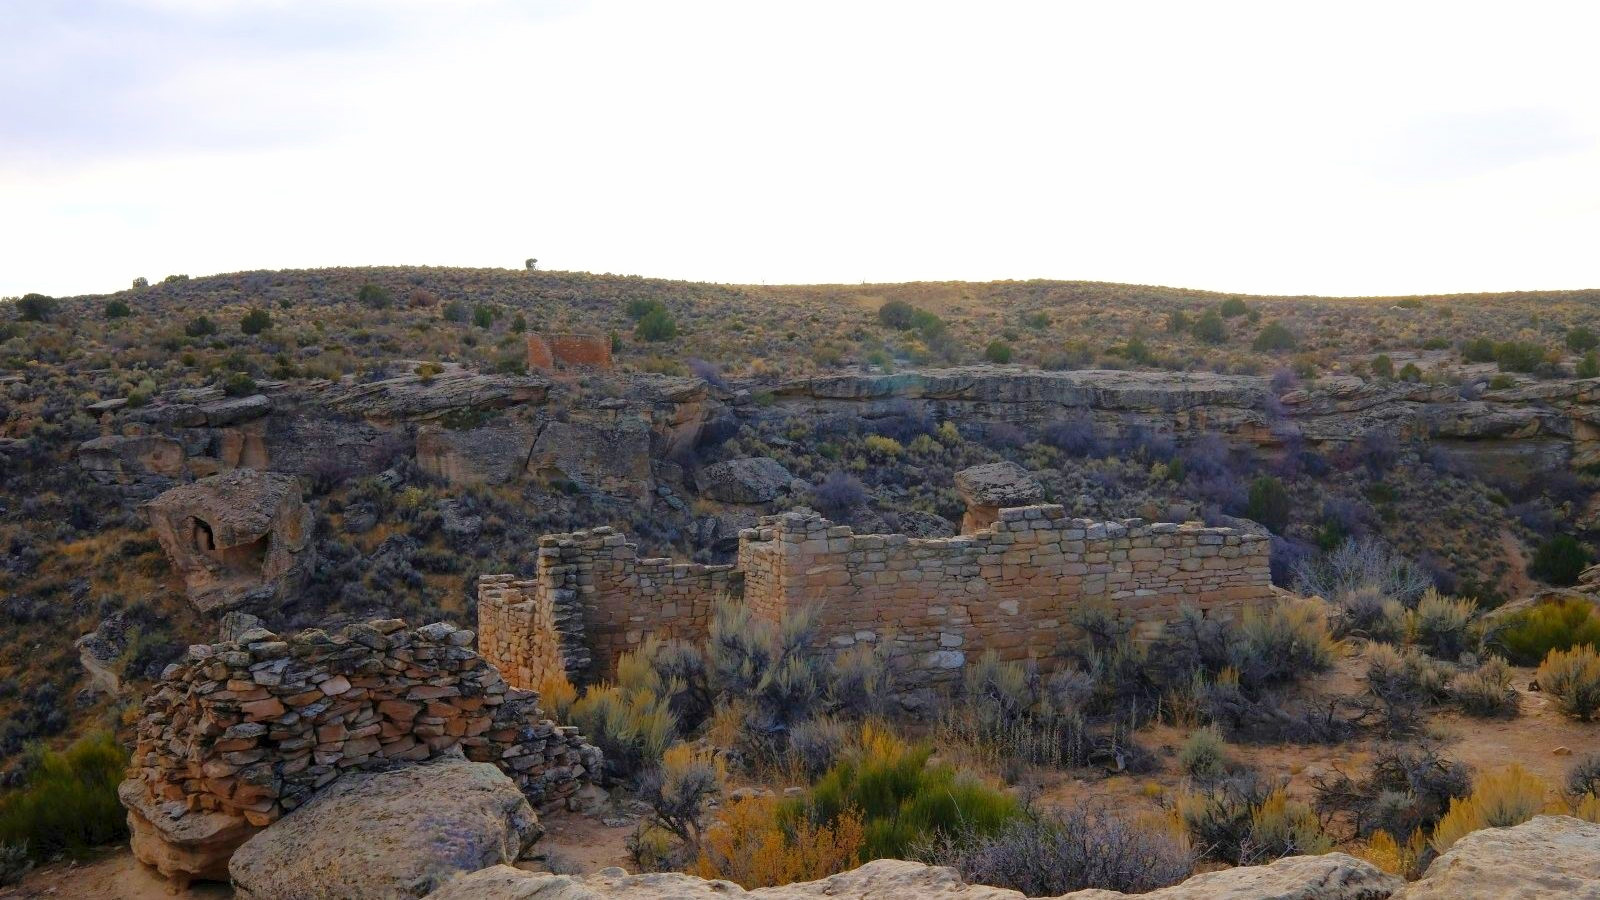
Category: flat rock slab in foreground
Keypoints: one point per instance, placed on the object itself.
(1333, 876)
(1550, 856)
(396, 834)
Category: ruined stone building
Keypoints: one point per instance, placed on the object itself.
(933, 603)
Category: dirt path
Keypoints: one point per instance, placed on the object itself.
(116, 875)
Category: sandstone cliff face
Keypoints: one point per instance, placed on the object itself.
(239, 537)
(1548, 424)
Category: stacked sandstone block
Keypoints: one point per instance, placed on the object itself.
(517, 630)
(251, 728)
(1012, 587)
(623, 599)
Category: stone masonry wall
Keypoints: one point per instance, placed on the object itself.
(934, 603)
(546, 351)
(600, 599)
(241, 732)
(1011, 587)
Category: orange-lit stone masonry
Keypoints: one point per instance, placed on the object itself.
(935, 602)
(547, 351)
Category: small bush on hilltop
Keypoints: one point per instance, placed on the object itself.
(656, 325)
(1501, 799)
(1572, 677)
(1528, 635)
(255, 321)
(68, 803)
(1073, 850)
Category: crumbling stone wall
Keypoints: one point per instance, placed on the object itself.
(935, 602)
(602, 599)
(241, 732)
(547, 351)
(517, 630)
(1012, 587)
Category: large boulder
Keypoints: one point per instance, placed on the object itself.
(241, 536)
(490, 454)
(991, 487)
(180, 843)
(395, 834)
(758, 479)
(1549, 856)
(1333, 876)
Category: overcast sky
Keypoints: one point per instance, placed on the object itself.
(1337, 148)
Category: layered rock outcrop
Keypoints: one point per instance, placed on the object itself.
(1544, 424)
(239, 537)
(242, 732)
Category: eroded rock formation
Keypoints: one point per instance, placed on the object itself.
(239, 537)
(754, 480)
(988, 488)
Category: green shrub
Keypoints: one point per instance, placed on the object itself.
(1499, 800)
(1269, 503)
(1246, 821)
(118, 309)
(255, 321)
(1232, 307)
(36, 308)
(483, 315)
(1410, 372)
(1582, 340)
(639, 307)
(239, 384)
(897, 314)
(374, 296)
(1589, 366)
(1383, 366)
(1486, 691)
(1518, 356)
(1560, 560)
(69, 802)
(1528, 635)
(455, 311)
(1478, 350)
(1204, 753)
(657, 325)
(200, 326)
(998, 351)
(1209, 328)
(1276, 337)
(1402, 683)
(1442, 626)
(1572, 677)
(902, 799)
